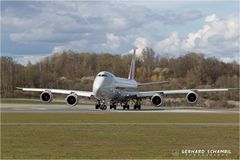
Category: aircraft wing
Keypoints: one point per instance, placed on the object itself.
(151, 83)
(183, 91)
(60, 91)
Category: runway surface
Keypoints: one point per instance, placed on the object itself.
(45, 108)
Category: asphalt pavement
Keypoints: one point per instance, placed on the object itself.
(44, 108)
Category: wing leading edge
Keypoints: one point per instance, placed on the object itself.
(152, 83)
(183, 91)
(60, 91)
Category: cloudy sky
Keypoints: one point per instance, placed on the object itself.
(31, 30)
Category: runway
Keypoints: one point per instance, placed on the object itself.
(46, 108)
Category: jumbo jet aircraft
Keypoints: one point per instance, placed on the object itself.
(110, 89)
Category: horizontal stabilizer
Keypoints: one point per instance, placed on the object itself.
(151, 83)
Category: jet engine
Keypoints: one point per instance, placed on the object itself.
(157, 100)
(192, 97)
(72, 99)
(46, 96)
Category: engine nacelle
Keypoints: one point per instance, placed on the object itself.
(72, 99)
(192, 97)
(157, 100)
(46, 96)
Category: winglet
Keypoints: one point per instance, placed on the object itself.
(132, 68)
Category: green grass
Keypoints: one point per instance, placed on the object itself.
(114, 141)
(26, 101)
(118, 117)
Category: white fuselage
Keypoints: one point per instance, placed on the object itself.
(108, 87)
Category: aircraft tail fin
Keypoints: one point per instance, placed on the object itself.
(132, 68)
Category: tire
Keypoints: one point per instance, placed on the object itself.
(135, 107)
(103, 107)
(139, 107)
(113, 107)
(97, 106)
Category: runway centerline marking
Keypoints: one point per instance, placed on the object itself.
(110, 123)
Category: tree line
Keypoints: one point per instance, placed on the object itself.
(76, 70)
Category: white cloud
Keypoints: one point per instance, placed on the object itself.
(16, 24)
(211, 18)
(38, 34)
(118, 23)
(113, 41)
(169, 45)
(99, 26)
(173, 18)
(68, 17)
(76, 45)
(140, 43)
(48, 20)
(217, 37)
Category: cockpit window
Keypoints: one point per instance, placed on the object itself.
(102, 75)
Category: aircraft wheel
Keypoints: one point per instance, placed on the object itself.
(113, 107)
(126, 107)
(97, 106)
(139, 107)
(103, 107)
(135, 107)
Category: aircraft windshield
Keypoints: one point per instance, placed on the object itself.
(102, 75)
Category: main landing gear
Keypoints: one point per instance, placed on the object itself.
(113, 106)
(125, 105)
(137, 105)
(101, 105)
